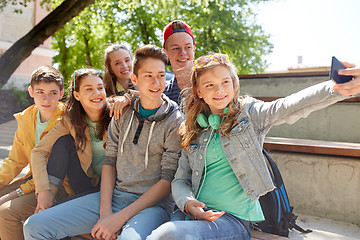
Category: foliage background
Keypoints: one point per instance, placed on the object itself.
(226, 26)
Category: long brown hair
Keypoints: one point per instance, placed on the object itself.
(109, 77)
(193, 105)
(76, 113)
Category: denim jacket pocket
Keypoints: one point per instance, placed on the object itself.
(243, 132)
(192, 154)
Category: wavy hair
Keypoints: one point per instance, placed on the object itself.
(192, 105)
(109, 76)
(76, 113)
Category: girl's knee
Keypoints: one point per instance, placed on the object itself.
(27, 224)
(63, 141)
(168, 231)
(32, 223)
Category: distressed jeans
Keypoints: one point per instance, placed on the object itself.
(226, 227)
(78, 216)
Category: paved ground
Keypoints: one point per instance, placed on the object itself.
(323, 229)
(7, 131)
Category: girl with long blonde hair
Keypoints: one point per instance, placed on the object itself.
(222, 171)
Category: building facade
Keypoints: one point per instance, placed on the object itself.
(13, 26)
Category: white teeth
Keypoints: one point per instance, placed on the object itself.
(219, 98)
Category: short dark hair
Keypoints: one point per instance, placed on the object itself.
(47, 74)
(145, 52)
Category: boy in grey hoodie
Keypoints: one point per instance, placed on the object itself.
(142, 155)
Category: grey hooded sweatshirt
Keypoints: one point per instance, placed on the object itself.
(144, 150)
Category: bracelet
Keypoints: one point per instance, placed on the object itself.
(127, 96)
(132, 93)
(19, 192)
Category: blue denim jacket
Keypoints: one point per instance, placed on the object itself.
(243, 149)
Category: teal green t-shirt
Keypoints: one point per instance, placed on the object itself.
(40, 127)
(98, 151)
(146, 113)
(221, 189)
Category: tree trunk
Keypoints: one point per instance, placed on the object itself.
(21, 49)
(87, 51)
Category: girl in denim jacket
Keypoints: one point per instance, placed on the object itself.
(222, 171)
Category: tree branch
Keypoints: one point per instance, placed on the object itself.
(21, 49)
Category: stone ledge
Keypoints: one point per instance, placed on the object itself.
(312, 146)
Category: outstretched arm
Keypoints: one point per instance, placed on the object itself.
(301, 104)
(352, 87)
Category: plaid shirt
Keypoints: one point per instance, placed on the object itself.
(172, 90)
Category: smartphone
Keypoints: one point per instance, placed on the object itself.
(336, 65)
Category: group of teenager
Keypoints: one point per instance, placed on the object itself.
(121, 160)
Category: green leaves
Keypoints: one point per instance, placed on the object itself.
(18, 5)
(226, 26)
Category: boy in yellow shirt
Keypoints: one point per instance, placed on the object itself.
(17, 198)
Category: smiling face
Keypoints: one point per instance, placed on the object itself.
(150, 81)
(216, 87)
(91, 95)
(180, 50)
(121, 64)
(46, 96)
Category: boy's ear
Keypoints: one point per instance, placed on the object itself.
(61, 94)
(31, 91)
(133, 78)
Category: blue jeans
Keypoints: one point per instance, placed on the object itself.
(225, 227)
(78, 216)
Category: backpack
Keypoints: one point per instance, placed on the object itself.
(276, 207)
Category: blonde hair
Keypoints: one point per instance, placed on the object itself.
(193, 105)
(109, 76)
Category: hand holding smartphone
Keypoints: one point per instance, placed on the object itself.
(336, 65)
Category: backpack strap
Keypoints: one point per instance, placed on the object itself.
(300, 229)
(278, 181)
(290, 217)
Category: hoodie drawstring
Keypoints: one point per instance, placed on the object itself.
(169, 109)
(126, 133)
(148, 143)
